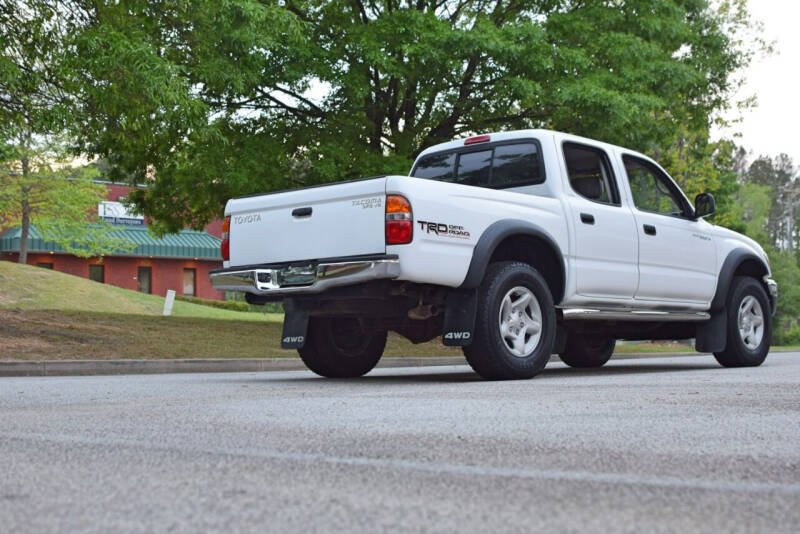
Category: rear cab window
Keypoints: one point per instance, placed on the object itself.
(498, 166)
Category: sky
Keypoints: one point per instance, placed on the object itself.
(773, 126)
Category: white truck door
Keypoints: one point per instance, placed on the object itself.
(605, 231)
(677, 255)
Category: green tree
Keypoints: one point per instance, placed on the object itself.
(37, 104)
(38, 188)
(786, 271)
(779, 175)
(700, 165)
(221, 98)
(757, 202)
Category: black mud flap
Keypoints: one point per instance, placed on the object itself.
(295, 325)
(459, 318)
(712, 335)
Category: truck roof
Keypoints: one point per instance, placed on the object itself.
(521, 134)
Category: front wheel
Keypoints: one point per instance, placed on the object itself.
(341, 347)
(749, 325)
(515, 325)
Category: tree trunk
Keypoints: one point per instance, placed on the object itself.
(26, 214)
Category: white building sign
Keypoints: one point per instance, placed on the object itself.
(117, 213)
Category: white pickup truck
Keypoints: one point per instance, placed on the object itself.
(512, 245)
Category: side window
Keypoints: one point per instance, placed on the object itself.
(516, 164)
(590, 173)
(474, 168)
(652, 191)
(437, 167)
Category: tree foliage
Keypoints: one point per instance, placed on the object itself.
(221, 98)
(59, 200)
(780, 177)
(37, 104)
(770, 210)
(699, 166)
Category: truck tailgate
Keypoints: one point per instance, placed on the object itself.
(336, 220)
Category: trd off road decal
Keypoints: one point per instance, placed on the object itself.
(444, 230)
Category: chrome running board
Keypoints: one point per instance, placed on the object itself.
(597, 314)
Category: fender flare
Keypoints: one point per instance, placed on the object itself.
(493, 236)
(712, 335)
(735, 258)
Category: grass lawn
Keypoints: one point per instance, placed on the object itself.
(46, 315)
(78, 335)
(652, 348)
(25, 287)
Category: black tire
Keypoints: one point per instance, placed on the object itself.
(488, 354)
(584, 351)
(737, 353)
(341, 347)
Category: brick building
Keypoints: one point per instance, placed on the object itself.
(179, 261)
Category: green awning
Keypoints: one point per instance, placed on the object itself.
(184, 244)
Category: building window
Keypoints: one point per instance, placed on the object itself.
(45, 265)
(97, 273)
(143, 276)
(189, 282)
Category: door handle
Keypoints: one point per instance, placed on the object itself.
(301, 212)
(649, 229)
(587, 218)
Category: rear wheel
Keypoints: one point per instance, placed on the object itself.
(587, 350)
(749, 325)
(515, 323)
(341, 347)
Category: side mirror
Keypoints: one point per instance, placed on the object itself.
(704, 205)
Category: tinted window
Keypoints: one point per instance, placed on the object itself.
(507, 165)
(652, 191)
(474, 167)
(589, 173)
(514, 164)
(436, 167)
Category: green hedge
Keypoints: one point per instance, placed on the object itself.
(269, 307)
(223, 304)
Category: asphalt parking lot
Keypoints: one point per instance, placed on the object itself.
(669, 444)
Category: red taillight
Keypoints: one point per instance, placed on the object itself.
(399, 224)
(477, 139)
(225, 246)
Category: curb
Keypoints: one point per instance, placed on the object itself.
(236, 365)
(222, 365)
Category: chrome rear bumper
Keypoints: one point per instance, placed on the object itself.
(304, 279)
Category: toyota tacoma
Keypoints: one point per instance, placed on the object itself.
(513, 246)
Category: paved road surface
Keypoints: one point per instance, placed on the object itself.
(671, 444)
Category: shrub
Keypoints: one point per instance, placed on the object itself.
(222, 304)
